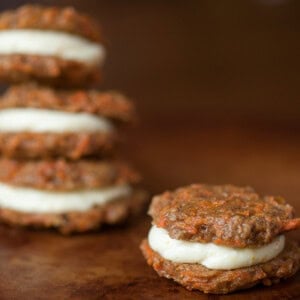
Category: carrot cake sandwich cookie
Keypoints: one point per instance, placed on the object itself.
(51, 45)
(69, 196)
(40, 122)
(218, 239)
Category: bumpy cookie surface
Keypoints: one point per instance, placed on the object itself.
(65, 19)
(62, 175)
(112, 105)
(225, 215)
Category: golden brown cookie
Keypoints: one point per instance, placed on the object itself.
(68, 196)
(221, 238)
(225, 215)
(100, 114)
(51, 45)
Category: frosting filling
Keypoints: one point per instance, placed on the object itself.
(46, 120)
(51, 43)
(210, 255)
(29, 200)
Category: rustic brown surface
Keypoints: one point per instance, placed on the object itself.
(109, 264)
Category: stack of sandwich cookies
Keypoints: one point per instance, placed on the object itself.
(50, 45)
(219, 239)
(58, 166)
(39, 122)
(61, 188)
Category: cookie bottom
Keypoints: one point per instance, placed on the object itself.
(114, 212)
(46, 145)
(198, 277)
(49, 70)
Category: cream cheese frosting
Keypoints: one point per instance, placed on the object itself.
(211, 255)
(51, 43)
(46, 120)
(29, 200)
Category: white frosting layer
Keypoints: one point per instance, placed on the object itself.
(211, 255)
(45, 120)
(30, 200)
(53, 43)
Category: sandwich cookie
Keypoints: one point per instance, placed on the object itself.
(51, 45)
(39, 122)
(69, 196)
(218, 239)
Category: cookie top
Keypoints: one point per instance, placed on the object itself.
(225, 215)
(65, 19)
(108, 104)
(65, 175)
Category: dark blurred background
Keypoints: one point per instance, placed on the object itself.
(216, 84)
(208, 60)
